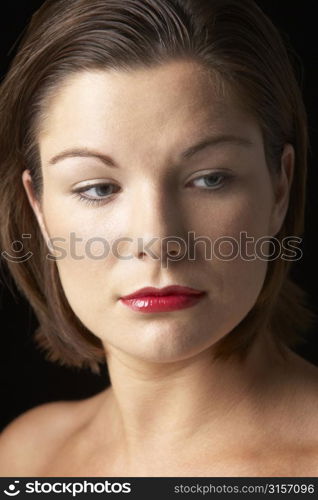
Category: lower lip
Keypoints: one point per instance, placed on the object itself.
(163, 303)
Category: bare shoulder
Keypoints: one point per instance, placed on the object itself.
(305, 374)
(38, 433)
(302, 377)
(303, 415)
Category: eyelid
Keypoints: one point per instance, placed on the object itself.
(225, 173)
(98, 201)
(216, 171)
(92, 183)
(225, 177)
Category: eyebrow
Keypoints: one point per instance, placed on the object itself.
(185, 155)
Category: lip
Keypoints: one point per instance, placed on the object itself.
(171, 298)
(167, 290)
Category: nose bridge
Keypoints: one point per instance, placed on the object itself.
(155, 218)
(154, 214)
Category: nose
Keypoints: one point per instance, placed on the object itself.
(157, 225)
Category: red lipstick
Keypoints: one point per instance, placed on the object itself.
(169, 298)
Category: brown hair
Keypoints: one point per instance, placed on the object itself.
(234, 40)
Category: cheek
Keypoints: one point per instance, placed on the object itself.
(236, 227)
(81, 249)
(78, 230)
(246, 211)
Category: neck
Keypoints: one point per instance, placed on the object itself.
(174, 407)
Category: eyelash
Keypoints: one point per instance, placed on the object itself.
(91, 201)
(94, 201)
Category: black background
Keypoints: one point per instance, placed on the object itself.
(26, 379)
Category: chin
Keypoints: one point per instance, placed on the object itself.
(165, 343)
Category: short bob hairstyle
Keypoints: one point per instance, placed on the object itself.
(243, 51)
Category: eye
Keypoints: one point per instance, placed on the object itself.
(212, 181)
(102, 192)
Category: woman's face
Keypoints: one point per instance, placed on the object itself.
(151, 190)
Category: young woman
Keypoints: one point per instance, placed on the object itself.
(154, 144)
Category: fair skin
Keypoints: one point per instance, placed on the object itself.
(171, 409)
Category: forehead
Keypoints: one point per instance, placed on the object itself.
(142, 107)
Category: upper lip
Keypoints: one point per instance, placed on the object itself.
(167, 290)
